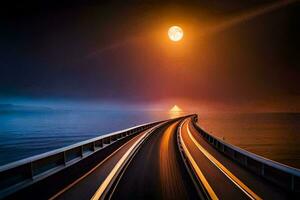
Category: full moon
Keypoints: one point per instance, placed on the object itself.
(175, 33)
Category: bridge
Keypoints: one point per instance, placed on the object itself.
(171, 159)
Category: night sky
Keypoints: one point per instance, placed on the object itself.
(117, 51)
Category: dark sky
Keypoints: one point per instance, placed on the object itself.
(118, 50)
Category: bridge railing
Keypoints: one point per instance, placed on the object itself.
(17, 175)
(280, 174)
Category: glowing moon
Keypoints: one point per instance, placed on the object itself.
(175, 33)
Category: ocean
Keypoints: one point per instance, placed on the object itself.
(27, 133)
(272, 135)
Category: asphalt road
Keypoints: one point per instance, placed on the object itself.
(234, 180)
(86, 186)
(157, 171)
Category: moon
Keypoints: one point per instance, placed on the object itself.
(175, 33)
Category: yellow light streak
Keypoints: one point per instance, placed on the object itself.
(223, 169)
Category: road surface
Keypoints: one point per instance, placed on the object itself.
(157, 171)
(226, 179)
(169, 161)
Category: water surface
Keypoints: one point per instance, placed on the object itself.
(272, 135)
(26, 133)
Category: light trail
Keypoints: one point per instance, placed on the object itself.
(224, 170)
(246, 16)
(196, 168)
(91, 171)
(100, 193)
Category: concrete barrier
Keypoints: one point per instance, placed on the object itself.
(279, 174)
(20, 174)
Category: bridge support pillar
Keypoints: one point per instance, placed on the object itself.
(94, 146)
(30, 170)
(100, 143)
(262, 169)
(81, 151)
(246, 161)
(65, 158)
(293, 183)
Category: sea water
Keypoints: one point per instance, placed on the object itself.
(27, 133)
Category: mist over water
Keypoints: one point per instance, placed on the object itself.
(30, 130)
(27, 133)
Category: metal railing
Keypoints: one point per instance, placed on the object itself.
(280, 174)
(20, 174)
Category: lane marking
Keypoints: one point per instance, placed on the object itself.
(199, 173)
(105, 184)
(92, 170)
(223, 169)
(169, 177)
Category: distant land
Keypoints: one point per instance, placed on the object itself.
(22, 108)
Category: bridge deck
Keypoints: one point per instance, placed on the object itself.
(224, 185)
(86, 186)
(156, 171)
(171, 160)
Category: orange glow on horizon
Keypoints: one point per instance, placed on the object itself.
(175, 108)
(175, 111)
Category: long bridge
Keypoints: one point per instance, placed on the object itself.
(171, 159)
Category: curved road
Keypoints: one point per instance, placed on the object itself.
(86, 186)
(226, 179)
(157, 172)
(151, 166)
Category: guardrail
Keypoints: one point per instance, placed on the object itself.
(20, 174)
(188, 162)
(279, 174)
